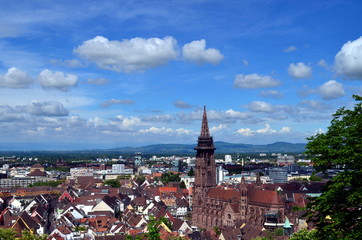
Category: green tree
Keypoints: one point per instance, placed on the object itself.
(114, 183)
(153, 232)
(314, 178)
(7, 233)
(26, 235)
(183, 185)
(170, 177)
(303, 235)
(140, 179)
(191, 173)
(337, 212)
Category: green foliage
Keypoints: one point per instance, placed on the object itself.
(297, 208)
(153, 233)
(170, 177)
(26, 235)
(50, 183)
(302, 164)
(314, 178)
(217, 230)
(140, 179)
(7, 233)
(304, 235)
(278, 232)
(337, 212)
(183, 185)
(60, 168)
(114, 183)
(191, 173)
(263, 238)
(166, 222)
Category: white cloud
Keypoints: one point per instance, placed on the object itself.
(46, 108)
(127, 122)
(299, 70)
(263, 131)
(331, 90)
(57, 80)
(156, 130)
(348, 61)
(260, 106)
(254, 81)
(136, 54)
(290, 49)
(230, 113)
(166, 131)
(9, 114)
(285, 130)
(272, 94)
(314, 105)
(245, 132)
(218, 128)
(181, 104)
(266, 130)
(245, 62)
(15, 78)
(196, 52)
(111, 102)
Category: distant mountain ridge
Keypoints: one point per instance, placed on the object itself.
(221, 147)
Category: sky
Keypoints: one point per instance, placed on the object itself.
(93, 74)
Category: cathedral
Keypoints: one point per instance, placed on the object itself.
(219, 206)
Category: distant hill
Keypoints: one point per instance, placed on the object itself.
(221, 147)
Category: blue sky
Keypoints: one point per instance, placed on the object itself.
(104, 74)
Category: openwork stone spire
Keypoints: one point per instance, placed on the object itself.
(205, 126)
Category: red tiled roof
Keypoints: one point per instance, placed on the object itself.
(167, 189)
(264, 197)
(223, 194)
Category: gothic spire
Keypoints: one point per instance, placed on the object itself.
(205, 126)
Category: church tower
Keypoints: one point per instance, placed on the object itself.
(243, 199)
(205, 173)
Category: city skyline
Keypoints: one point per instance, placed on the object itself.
(131, 73)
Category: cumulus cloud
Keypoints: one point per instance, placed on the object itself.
(260, 106)
(254, 81)
(196, 52)
(272, 94)
(57, 80)
(348, 61)
(314, 105)
(331, 90)
(218, 128)
(126, 122)
(136, 54)
(285, 130)
(46, 108)
(290, 49)
(15, 78)
(166, 131)
(111, 102)
(299, 70)
(181, 104)
(267, 130)
(9, 114)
